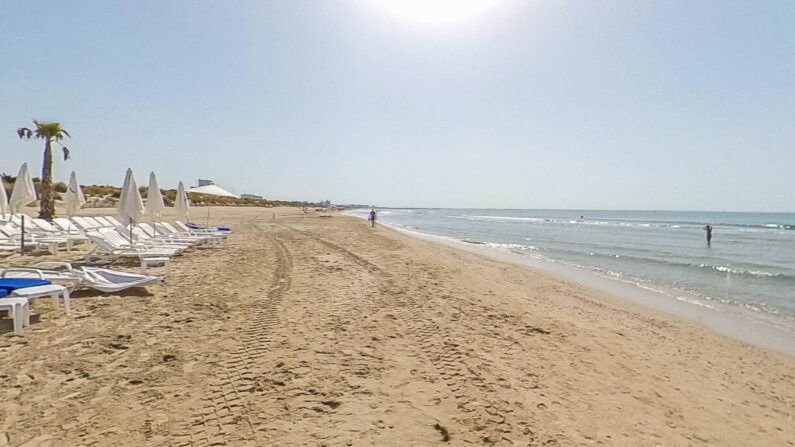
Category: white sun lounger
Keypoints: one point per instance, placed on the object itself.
(108, 251)
(52, 290)
(12, 232)
(20, 311)
(62, 273)
(142, 237)
(63, 277)
(109, 281)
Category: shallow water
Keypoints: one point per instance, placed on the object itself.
(750, 264)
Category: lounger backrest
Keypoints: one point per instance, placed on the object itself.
(182, 225)
(100, 239)
(84, 223)
(148, 229)
(46, 226)
(66, 225)
(171, 228)
(163, 229)
(114, 237)
(17, 219)
(115, 222)
(10, 230)
(139, 233)
(96, 222)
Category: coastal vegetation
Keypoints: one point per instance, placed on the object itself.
(50, 133)
(107, 196)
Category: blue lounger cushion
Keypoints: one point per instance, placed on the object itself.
(10, 284)
(3, 293)
(201, 227)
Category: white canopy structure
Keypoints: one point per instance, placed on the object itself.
(24, 192)
(213, 190)
(74, 198)
(154, 199)
(130, 203)
(181, 204)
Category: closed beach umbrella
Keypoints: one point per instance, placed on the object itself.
(3, 201)
(181, 204)
(24, 192)
(74, 198)
(130, 203)
(154, 200)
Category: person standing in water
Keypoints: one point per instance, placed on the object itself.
(371, 218)
(708, 229)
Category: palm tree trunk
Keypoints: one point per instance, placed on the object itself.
(47, 202)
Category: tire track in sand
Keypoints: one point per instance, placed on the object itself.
(484, 415)
(225, 415)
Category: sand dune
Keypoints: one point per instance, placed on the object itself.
(322, 331)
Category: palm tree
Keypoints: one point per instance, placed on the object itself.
(49, 132)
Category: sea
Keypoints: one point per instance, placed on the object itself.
(747, 272)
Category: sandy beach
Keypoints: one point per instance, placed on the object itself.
(313, 330)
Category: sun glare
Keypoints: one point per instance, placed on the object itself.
(436, 11)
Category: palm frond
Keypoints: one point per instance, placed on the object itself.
(65, 132)
(66, 153)
(24, 132)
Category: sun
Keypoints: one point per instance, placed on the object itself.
(435, 11)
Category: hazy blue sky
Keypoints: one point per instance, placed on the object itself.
(531, 104)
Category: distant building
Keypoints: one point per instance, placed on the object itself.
(203, 182)
(249, 196)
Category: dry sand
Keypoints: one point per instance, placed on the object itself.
(322, 331)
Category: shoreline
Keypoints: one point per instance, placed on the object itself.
(732, 321)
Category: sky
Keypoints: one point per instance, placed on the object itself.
(677, 105)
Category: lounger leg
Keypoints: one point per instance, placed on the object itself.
(54, 297)
(26, 311)
(168, 267)
(143, 267)
(67, 305)
(19, 317)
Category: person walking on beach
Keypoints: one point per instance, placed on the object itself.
(371, 218)
(708, 229)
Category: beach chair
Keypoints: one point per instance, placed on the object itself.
(19, 310)
(62, 273)
(10, 231)
(53, 231)
(32, 289)
(49, 271)
(67, 226)
(141, 238)
(8, 244)
(109, 281)
(194, 226)
(85, 224)
(179, 238)
(185, 230)
(113, 221)
(109, 250)
(164, 230)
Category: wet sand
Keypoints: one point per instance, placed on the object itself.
(322, 331)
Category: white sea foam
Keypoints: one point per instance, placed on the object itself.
(734, 271)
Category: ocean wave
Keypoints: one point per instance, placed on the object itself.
(742, 272)
(502, 218)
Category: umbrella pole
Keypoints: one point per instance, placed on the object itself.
(22, 239)
(131, 224)
(207, 224)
